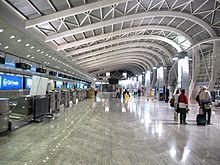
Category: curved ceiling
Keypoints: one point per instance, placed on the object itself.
(97, 34)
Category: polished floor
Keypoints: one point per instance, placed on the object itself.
(109, 131)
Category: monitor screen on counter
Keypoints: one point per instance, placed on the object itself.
(9, 82)
(58, 84)
(27, 82)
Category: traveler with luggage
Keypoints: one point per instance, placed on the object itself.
(183, 106)
(206, 103)
(176, 105)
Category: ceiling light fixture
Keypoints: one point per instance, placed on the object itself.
(38, 50)
(46, 55)
(12, 37)
(32, 47)
(28, 55)
(32, 57)
(19, 40)
(27, 45)
(6, 47)
(1, 30)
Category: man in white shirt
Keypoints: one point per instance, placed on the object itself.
(206, 102)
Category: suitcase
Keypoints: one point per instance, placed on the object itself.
(200, 119)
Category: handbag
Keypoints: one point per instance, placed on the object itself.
(172, 102)
(177, 108)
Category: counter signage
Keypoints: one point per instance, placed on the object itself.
(8, 82)
(28, 83)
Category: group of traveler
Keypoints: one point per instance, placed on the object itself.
(180, 102)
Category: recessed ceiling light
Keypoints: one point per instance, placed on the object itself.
(28, 55)
(19, 40)
(6, 47)
(32, 57)
(0, 43)
(42, 52)
(32, 47)
(48, 63)
(49, 56)
(38, 50)
(27, 45)
(12, 37)
(53, 58)
(46, 55)
(1, 30)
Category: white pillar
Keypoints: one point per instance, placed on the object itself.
(215, 64)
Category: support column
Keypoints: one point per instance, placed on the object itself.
(215, 64)
(195, 72)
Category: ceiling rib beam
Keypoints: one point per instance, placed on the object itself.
(70, 12)
(176, 14)
(145, 37)
(146, 64)
(126, 45)
(130, 56)
(142, 65)
(138, 51)
(120, 32)
(132, 67)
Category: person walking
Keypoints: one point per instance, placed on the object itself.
(183, 106)
(176, 105)
(206, 103)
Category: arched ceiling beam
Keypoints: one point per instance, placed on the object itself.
(124, 31)
(125, 45)
(71, 12)
(131, 68)
(119, 57)
(144, 64)
(131, 54)
(126, 18)
(121, 63)
(145, 37)
(136, 66)
(134, 51)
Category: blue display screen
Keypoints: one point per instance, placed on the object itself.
(77, 85)
(8, 82)
(27, 82)
(69, 85)
(58, 84)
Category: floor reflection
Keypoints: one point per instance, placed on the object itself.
(106, 130)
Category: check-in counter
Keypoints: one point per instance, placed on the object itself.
(52, 98)
(65, 98)
(24, 105)
(73, 97)
(4, 114)
(58, 100)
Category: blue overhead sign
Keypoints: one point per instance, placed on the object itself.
(8, 82)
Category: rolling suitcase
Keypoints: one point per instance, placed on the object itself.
(200, 119)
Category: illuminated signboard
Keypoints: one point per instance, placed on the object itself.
(27, 82)
(58, 84)
(69, 85)
(8, 82)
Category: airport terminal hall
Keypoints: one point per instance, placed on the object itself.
(109, 82)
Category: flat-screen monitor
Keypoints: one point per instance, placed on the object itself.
(8, 82)
(113, 81)
(69, 85)
(27, 82)
(77, 85)
(58, 84)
